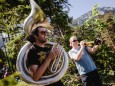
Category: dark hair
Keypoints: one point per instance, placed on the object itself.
(31, 37)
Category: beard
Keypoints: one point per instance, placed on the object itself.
(42, 41)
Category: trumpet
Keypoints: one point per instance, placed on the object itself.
(97, 41)
(90, 43)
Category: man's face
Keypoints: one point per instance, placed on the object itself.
(73, 41)
(42, 35)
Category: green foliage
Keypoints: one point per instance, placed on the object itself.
(114, 18)
(22, 83)
(94, 10)
(10, 80)
(2, 56)
(16, 43)
(11, 17)
(13, 48)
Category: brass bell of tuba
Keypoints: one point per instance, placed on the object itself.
(59, 65)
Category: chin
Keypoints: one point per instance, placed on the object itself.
(44, 41)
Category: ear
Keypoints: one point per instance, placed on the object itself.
(35, 36)
(70, 44)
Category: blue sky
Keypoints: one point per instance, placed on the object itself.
(79, 7)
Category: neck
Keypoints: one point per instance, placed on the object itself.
(39, 44)
(75, 47)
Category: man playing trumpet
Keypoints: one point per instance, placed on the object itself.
(84, 63)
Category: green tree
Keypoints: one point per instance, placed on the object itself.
(13, 50)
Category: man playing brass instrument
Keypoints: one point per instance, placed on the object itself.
(39, 56)
(84, 63)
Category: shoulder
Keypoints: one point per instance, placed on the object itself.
(72, 51)
(32, 48)
(31, 51)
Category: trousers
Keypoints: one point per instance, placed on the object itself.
(91, 79)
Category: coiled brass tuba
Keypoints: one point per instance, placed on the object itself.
(58, 67)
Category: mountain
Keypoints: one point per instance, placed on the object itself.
(80, 20)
